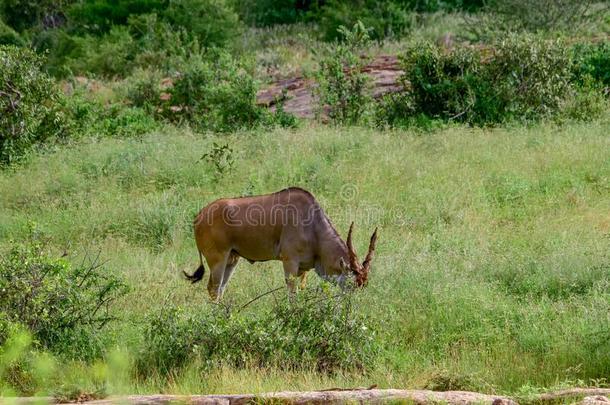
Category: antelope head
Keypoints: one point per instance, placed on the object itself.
(360, 271)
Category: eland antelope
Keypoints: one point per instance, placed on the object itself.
(289, 226)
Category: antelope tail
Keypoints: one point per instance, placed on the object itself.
(198, 274)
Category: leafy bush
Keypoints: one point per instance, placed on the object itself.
(216, 92)
(593, 60)
(116, 120)
(384, 18)
(531, 76)
(143, 89)
(99, 16)
(521, 77)
(314, 330)
(62, 306)
(30, 104)
(110, 55)
(270, 12)
(8, 36)
(342, 84)
(24, 14)
(500, 17)
(212, 22)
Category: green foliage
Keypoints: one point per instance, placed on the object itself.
(342, 84)
(93, 118)
(216, 92)
(212, 22)
(8, 36)
(24, 14)
(30, 104)
(110, 55)
(99, 16)
(143, 89)
(316, 330)
(537, 16)
(519, 78)
(270, 12)
(61, 305)
(220, 156)
(593, 61)
(384, 18)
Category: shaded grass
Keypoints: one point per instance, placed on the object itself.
(493, 263)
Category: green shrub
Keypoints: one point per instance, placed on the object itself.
(63, 306)
(592, 60)
(143, 89)
(159, 45)
(519, 78)
(8, 36)
(263, 13)
(535, 16)
(30, 104)
(216, 92)
(213, 22)
(385, 18)
(93, 118)
(99, 16)
(110, 55)
(24, 14)
(58, 46)
(341, 83)
(314, 330)
(441, 83)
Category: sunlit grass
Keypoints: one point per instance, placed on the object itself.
(492, 267)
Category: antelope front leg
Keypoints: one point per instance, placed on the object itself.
(291, 272)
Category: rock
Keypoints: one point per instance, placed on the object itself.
(594, 400)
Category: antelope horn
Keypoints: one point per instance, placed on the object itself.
(366, 264)
(353, 259)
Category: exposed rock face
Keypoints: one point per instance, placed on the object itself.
(300, 101)
(594, 400)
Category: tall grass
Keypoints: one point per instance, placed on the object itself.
(493, 264)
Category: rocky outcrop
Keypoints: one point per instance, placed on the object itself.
(298, 96)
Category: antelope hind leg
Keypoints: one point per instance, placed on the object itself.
(217, 264)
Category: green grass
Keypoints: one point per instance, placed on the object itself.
(493, 264)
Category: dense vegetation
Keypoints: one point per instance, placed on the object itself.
(487, 172)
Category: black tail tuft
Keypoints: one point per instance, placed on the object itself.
(196, 276)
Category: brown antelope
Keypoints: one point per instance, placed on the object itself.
(289, 226)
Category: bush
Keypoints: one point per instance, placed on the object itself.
(212, 22)
(8, 36)
(116, 120)
(64, 307)
(24, 14)
(30, 104)
(502, 16)
(593, 61)
(110, 55)
(342, 84)
(522, 78)
(385, 19)
(263, 13)
(314, 330)
(99, 16)
(216, 92)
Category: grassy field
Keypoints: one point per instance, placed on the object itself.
(493, 264)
